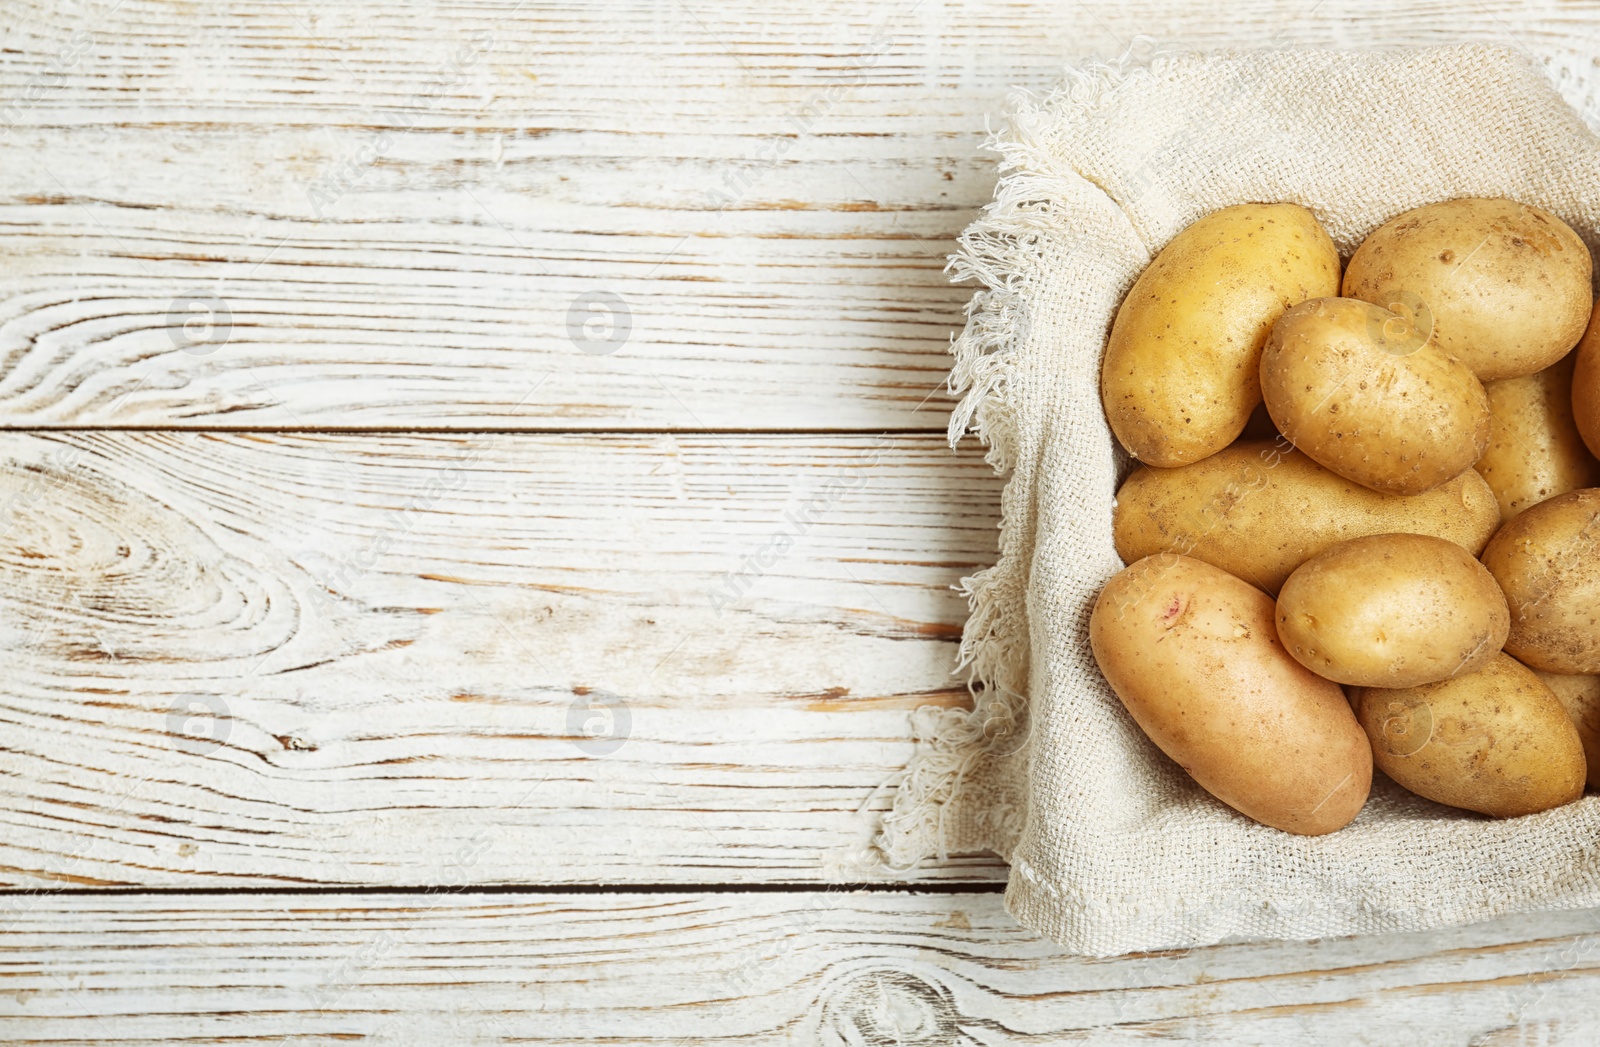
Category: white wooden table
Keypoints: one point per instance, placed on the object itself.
(474, 521)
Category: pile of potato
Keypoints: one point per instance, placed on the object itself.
(1367, 529)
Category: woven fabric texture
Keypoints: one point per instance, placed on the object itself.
(1113, 848)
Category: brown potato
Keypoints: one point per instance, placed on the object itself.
(1495, 741)
(1535, 451)
(1347, 384)
(1505, 285)
(1586, 386)
(1547, 561)
(1259, 510)
(1392, 610)
(1580, 696)
(1192, 653)
(1180, 373)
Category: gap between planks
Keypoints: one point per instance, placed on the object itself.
(796, 887)
(421, 430)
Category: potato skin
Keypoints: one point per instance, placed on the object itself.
(1507, 285)
(1586, 385)
(1347, 383)
(1259, 510)
(1392, 610)
(1547, 562)
(1580, 697)
(1496, 741)
(1180, 373)
(1192, 653)
(1535, 451)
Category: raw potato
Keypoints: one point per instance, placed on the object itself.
(1392, 610)
(1580, 696)
(1586, 385)
(1180, 374)
(1259, 510)
(1534, 450)
(1349, 384)
(1547, 561)
(1192, 653)
(1506, 284)
(1495, 741)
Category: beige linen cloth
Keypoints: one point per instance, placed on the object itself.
(1113, 848)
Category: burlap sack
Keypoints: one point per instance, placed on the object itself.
(1112, 846)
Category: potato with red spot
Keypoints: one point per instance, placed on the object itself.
(1193, 653)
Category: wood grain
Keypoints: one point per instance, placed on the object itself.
(822, 969)
(408, 215)
(286, 659)
(443, 660)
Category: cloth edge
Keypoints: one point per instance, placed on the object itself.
(953, 745)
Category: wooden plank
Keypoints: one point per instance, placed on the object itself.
(818, 968)
(298, 659)
(436, 218)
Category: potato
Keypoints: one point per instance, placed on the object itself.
(1180, 373)
(1506, 285)
(1547, 561)
(1586, 386)
(1580, 697)
(1495, 741)
(1259, 510)
(1392, 610)
(1350, 386)
(1534, 449)
(1192, 653)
